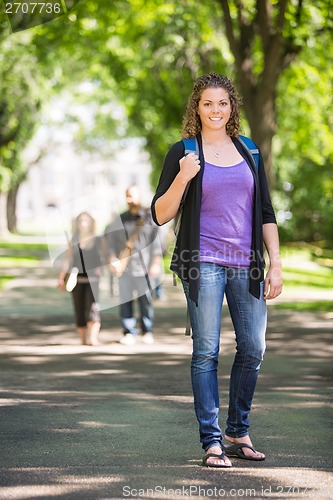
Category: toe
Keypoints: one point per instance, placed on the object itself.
(218, 461)
(221, 460)
(255, 454)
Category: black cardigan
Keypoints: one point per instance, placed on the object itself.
(185, 261)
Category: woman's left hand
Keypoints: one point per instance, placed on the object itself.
(273, 283)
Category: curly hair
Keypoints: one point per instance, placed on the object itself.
(191, 120)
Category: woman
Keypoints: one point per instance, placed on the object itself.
(227, 217)
(85, 253)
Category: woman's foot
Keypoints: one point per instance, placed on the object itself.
(252, 454)
(82, 331)
(95, 343)
(217, 461)
(93, 332)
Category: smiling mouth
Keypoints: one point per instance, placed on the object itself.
(215, 119)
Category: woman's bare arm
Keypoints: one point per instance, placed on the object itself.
(273, 280)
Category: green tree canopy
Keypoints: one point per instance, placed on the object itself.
(155, 49)
(146, 54)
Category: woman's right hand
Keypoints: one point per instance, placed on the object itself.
(167, 205)
(61, 284)
(189, 166)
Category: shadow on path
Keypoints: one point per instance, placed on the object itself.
(118, 422)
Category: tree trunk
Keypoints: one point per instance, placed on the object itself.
(259, 88)
(11, 210)
(3, 215)
(259, 108)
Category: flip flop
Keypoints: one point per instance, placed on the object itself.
(235, 450)
(215, 455)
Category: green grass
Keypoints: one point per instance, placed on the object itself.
(302, 273)
(17, 256)
(321, 278)
(14, 254)
(312, 306)
(18, 261)
(15, 262)
(4, 280)
(16, 247)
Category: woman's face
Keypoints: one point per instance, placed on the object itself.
(85, 223)
(214, 109)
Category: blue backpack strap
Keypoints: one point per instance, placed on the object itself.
(251, 147)
(191, 145)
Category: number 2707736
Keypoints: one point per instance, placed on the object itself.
(33, 8)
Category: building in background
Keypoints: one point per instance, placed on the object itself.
(78, 170)
(71, 182)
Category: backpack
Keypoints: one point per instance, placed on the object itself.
(251, 148)
(191, 146)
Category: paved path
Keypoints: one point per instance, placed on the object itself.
(113, 422)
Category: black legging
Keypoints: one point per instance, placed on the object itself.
(85, 297)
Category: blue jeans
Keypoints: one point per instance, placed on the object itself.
(249, 317)
(129, 287)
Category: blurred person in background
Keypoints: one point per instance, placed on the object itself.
(85, 255)
(135, 258)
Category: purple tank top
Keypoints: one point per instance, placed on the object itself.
(226, 215)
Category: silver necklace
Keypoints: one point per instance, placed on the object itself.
(216, 151)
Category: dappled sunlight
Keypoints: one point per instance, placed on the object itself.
(110, 358)
(165, 482)
(177, 331)
(309, 404)
(167, 363)
(32, 402)
(274, 336)
(67, 431)
(299, 333)
(306, 397)
(161, 345)
(245, 484)
(86, 421)
(102, 424)
(320, 378)
(302, 320)
(178, 399)
(292, 404)
(295, 389)
(89, 373)
(19, 401)
(52, 328)
(60, 482)
(313, 347)
(31, 360)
